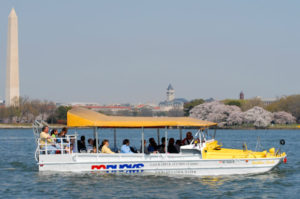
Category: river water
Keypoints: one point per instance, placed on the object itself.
(20, 178)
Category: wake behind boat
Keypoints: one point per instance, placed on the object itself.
(203, 156)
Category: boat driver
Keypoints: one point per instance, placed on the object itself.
(188, 139)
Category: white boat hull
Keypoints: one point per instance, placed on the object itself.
(157, 164)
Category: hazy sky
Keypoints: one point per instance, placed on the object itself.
(129, 51)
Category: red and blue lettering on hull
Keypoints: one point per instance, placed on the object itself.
(113, 168)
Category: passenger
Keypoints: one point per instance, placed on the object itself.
(63, 133)
(152, 147)
(81, 144)
(188, 139)
(145, 148)
(177, 145)
(171, 147)
(60, 137)
(73, 149)
(46, 138)
(91, 148)
(100, 146)
(70, 149)
(162, 148)
(105, 147)
(126, 148)
(54, 133)
(133, 149)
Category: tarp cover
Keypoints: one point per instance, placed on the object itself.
(81, 117)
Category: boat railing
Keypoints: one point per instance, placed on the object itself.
(37, 128)
(57, 145)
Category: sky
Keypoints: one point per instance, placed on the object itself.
(129, 51)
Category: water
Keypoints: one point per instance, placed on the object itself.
(19, 176)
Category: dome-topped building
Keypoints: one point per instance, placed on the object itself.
(171, 102)
(170, 93)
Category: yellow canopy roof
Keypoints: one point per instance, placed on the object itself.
(81, 117)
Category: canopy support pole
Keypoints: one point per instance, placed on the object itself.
(215, 131)
(143, 144)
(180, 133)
(166, 141)
(96, 138)
(115, 139)
(75, 142)
(158, 136)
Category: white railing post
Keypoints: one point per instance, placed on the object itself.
(46, 146)
(61, 146)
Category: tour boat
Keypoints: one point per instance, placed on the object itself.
(204, 156)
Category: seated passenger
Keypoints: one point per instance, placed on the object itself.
(91, 148)
(73, 149)
(54, 133)
(171, 147)
(63, 134)
(125, 147)
(59, 137)
(152, 147)
(105, 147)
(162, 148)
(46, 141)
(133, 149)
(188, 139)
(81, 144)
(177, 145)
(145, 148)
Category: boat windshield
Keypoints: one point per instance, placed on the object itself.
(206, 134)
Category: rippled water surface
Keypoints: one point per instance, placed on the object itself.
(20, 178)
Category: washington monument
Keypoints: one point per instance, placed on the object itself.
(12, 62)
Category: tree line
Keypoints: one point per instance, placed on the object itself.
(30, 110)
(279, 109)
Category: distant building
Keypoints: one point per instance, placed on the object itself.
(75, 104)
(171, 102)
(152, 107)
(242, 96)
(267, 101)
(209, 100)
(110, 108)
(170, 93)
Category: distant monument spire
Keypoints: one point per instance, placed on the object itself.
(12, 62)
